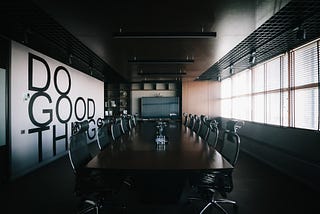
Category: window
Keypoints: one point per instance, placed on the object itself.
(258, 98)
(226, 98)
(305, 89)
(235, 96)
(258, 108)
(241, 99)
(306, 108)
(284, 91)
(273, 74)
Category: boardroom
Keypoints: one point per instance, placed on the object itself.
(159, 106)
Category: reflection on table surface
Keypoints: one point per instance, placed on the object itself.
(139, 151)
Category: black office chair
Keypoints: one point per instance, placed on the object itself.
(88, 186)
(125, 125)
(214, 186)
(191, 121)
(116, 129)
(185, 115)
(221, 127)
(213, 133)
(197, 123)
(92, 186)
(104, 133)
(132, 123)
(204, 128)
(134, 120)
(231, 142)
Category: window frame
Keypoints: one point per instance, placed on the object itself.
(286, 89)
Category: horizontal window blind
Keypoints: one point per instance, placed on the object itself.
(305, 65)
(304, 77)
(273, 73)
(226, 98)
(258, 108)
(226, 88)
(258, 79)
(282, 91)
(273, 108)
(226, 108)
(306, 108)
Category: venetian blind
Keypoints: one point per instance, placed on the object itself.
(304, 78)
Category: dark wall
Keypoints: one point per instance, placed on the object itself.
(4, 153)
(294, 152)
(4, 53)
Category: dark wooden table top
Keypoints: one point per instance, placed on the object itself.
(138, 151)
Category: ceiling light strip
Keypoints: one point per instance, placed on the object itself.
(164, 35)
(162, 73)
(161, 61)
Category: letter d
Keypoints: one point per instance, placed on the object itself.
(31, 59)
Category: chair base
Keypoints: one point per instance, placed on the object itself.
(90, 205)
(216, 204)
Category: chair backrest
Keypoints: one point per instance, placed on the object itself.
(221, 129)
(125, 126)
(231, 147)
(131, 122)
(234, 125)
(104, 133)
(203, 131)
(191, 121)
(79, 153)
(185, 115)
(231, 141)
(116, 129)
(197, 123)
(230, 151)
(213, 133)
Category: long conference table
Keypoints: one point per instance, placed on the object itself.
(160, 172)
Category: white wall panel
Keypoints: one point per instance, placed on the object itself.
(2, 107)
(46, 96)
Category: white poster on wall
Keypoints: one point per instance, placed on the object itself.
(46, 97)
(2, 107)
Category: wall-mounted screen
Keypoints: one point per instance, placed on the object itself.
(160, 107)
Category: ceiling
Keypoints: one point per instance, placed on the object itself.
(95, 24)
(82, 34)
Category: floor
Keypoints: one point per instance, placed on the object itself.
(258, 189)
